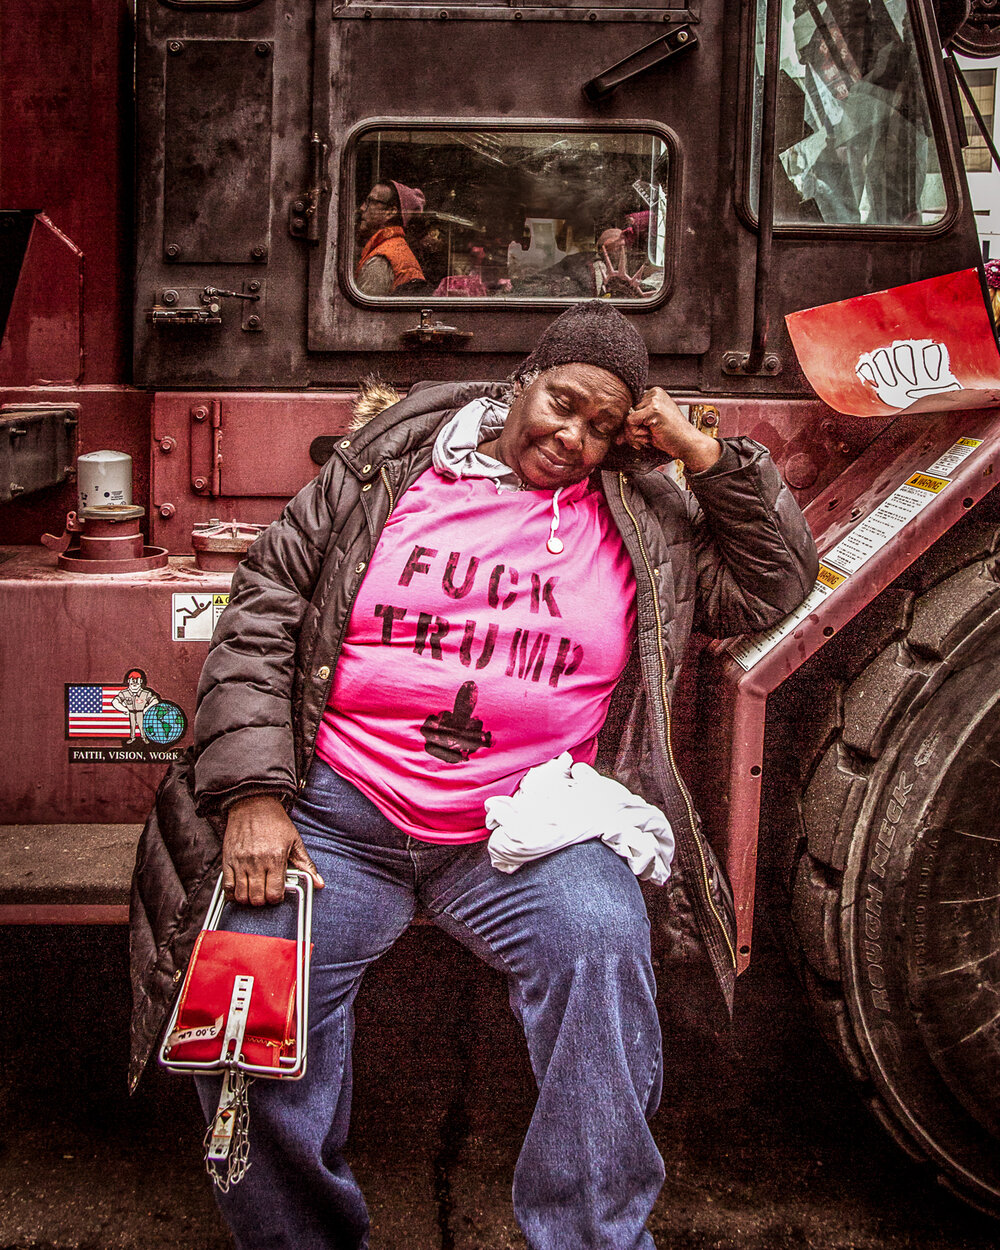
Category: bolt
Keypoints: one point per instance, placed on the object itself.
(518, 15)
(591, 16)
(443, 15)
(253, 286)
(167, 444)
(199, 483)
(200, 413)
(16, 488)
(368, 12)
(172, 249)
(710, 420)
(175, 47)
(682, 36)
(845, 449)
(298, 223)
(263, 49)
(771, 364)
(170, 297)
(259, 252)
(828, 427)
(299, 206)
(253, 323)
(166, 510)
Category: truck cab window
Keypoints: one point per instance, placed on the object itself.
(855, 141)
(502, 214)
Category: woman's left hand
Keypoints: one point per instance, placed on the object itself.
(656, 421)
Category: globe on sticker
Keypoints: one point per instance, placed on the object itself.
(164, 723)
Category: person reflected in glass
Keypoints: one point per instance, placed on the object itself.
(387, 265)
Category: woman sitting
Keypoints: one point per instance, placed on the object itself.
(457, 598)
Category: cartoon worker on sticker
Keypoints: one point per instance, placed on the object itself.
(134, 699)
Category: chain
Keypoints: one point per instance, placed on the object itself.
(234, 1168)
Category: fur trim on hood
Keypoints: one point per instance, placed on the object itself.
(374, 395)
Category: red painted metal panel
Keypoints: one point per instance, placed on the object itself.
(736, 752)
(925, 347)
(65, 118)
(43, 340)
(234, 455)
(66, 630)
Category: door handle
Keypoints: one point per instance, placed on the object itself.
(680, 39)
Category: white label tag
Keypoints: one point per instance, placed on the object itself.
(195, 616)
(203, 1033)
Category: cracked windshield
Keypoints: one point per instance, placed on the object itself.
(854, 140)
(504, 214)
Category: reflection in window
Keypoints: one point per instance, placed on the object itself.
(982, 83)
(854, 137)
(506, 214)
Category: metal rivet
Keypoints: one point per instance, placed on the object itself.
(175, 47)
(682, 36)
(323, 673)
(253, 322)
(346, 443)
(359, 567)
(259, 252)
(177, 976)
(199, 483)
(367, 469)
(172, 249)
(367, 486)
(253, 286)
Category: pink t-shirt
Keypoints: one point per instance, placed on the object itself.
(473, 653)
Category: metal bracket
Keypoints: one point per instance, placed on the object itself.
(374, 9)
(434, 333)
(206, 448)
(735, 364)
(37, 446)
(303, 212)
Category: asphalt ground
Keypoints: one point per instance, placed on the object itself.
(766, 1147)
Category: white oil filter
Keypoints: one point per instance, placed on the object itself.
(105, 479)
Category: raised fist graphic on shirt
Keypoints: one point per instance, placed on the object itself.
(454, 736)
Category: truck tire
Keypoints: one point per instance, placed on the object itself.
(891, 856)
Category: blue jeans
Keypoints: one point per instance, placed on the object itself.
(571, 935)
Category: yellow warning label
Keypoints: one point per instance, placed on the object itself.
(969, 442)
(220, 601)
(924, 481)
(829, 577)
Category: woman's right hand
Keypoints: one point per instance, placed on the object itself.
(260, 842)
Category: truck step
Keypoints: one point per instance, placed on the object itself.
(66, 874)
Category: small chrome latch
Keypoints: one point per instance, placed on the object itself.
(434, 333)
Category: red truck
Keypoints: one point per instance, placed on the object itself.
(774, 191)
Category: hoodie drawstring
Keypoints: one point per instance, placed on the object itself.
(555, 546)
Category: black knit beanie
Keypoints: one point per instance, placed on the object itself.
(592, 333)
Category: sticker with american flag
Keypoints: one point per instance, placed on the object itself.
(89, 713)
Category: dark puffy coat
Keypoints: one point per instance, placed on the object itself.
(731, 557)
